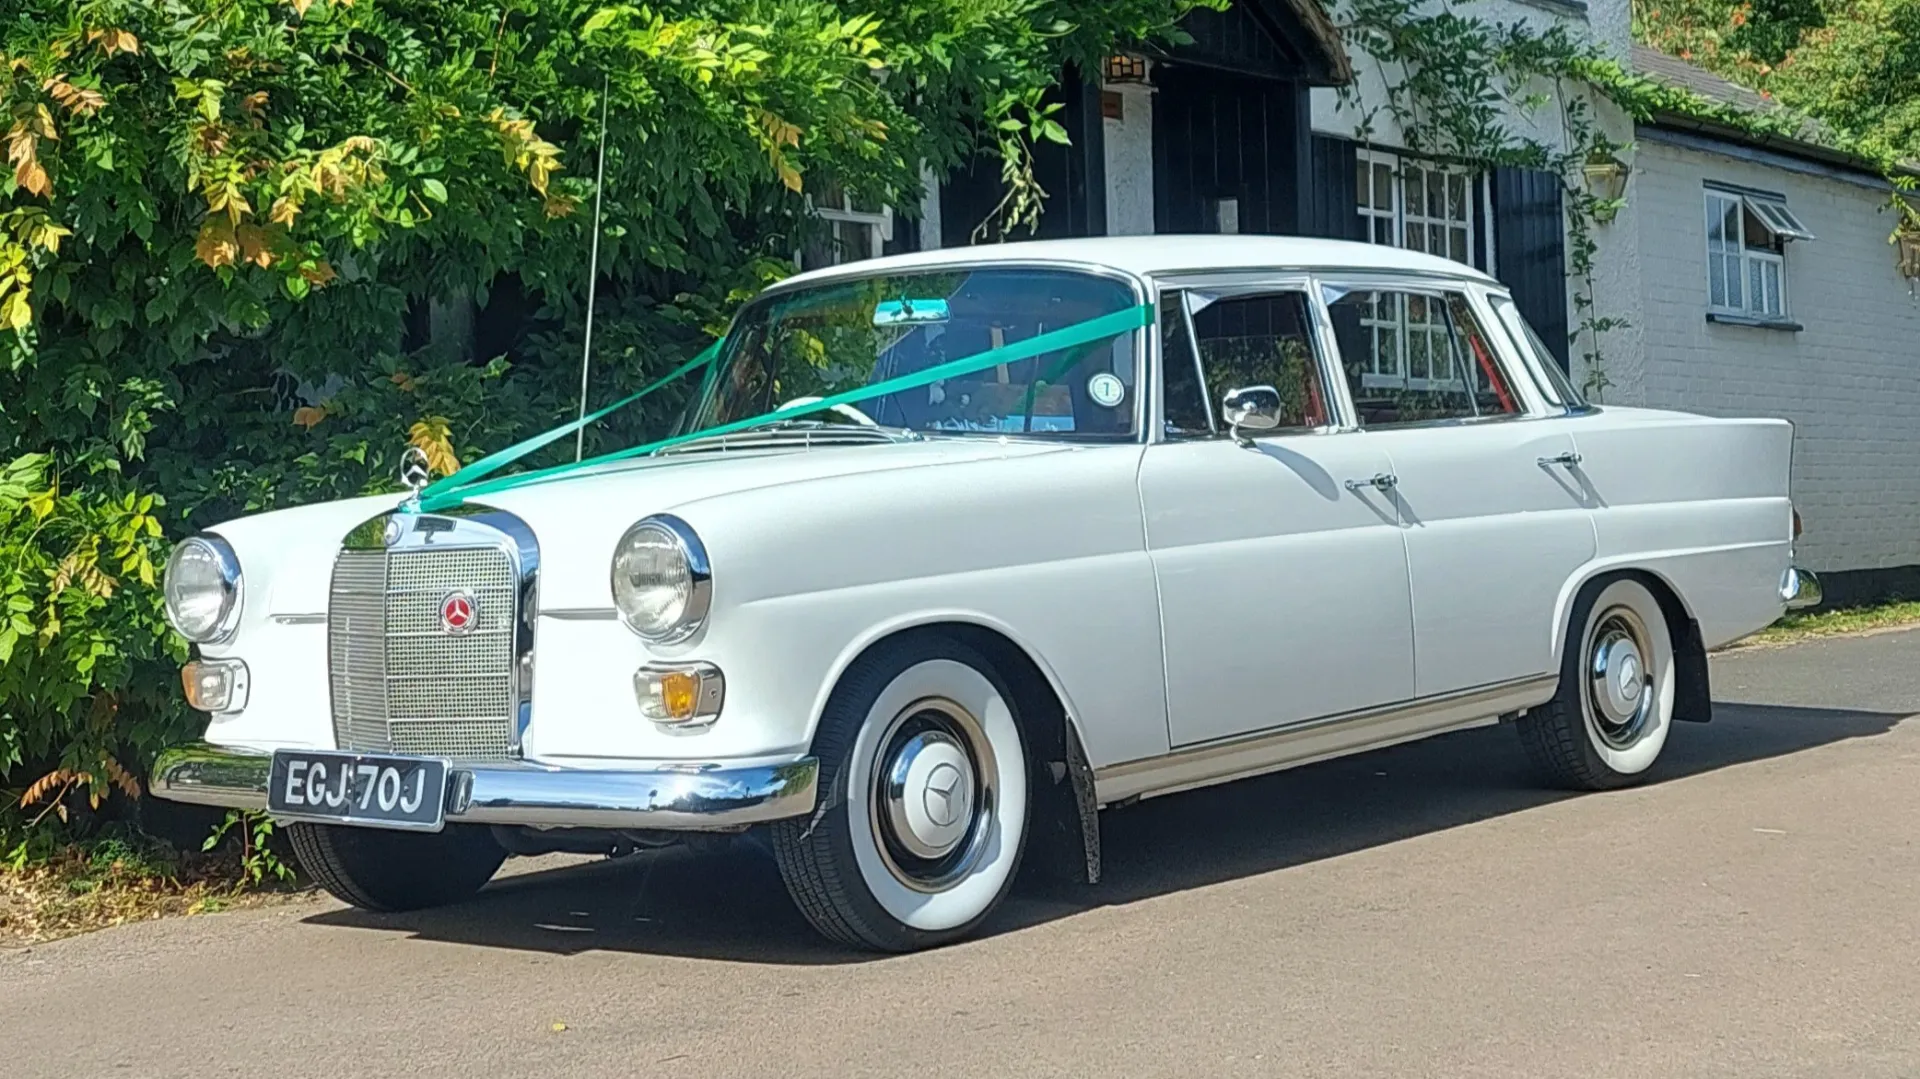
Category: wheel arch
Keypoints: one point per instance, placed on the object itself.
(1693, 693)
(1063, 823)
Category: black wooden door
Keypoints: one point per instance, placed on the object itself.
(1073, 176)
(1529, 232)
(1222, 136)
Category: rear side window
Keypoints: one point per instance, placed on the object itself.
(1417, 357)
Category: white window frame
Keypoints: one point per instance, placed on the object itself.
(1740, 263)
(879, 225)
(1389, 226)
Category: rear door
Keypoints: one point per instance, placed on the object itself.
(1486, 482)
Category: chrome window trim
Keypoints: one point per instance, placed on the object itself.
(472, 526)
(1539, 377)
(1141, 288)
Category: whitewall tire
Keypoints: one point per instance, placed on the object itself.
(923, 800)
(1610, 718)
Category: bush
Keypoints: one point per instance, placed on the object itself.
(252, 248)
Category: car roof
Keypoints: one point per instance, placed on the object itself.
(1163, 255)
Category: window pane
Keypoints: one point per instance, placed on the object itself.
(1382, 186)
(1457, 197)
(1756, 286)
(1263, 341)
(1416, 238)
(1453, 370)
(1416, 192)
(1184, 399)
(1436, 194)
(1458, 245)
(1717, 280)
(1363, 191)
(1730, 221)
(1772, 293)
(1736, 295)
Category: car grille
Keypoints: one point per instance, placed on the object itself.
(400, 681)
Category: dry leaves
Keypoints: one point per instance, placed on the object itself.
(433, 437)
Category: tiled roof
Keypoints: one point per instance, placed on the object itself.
(1681, 75)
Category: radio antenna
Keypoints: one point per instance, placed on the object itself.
(593, 271)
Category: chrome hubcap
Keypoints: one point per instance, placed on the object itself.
(932, 794)
(1619, 681)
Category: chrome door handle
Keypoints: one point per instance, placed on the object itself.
(1384, 481)
(1569, 459)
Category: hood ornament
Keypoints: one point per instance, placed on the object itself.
(414, 475)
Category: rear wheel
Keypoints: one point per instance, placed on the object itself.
(380, 870)
(1609, 721)
(923, 811)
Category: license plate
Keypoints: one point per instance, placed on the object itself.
(354, 788)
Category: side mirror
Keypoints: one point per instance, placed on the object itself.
(1251, 408)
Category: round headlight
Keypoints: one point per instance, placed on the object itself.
(202, 588)
(661, 581)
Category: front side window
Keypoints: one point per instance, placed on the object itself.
(842, 335)
(1261, 340)
(1417, 357)
(1746, 253)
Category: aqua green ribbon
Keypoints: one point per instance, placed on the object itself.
(470, 482)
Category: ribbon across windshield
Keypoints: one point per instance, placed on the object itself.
(889, 343)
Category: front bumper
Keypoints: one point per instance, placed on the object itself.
(693, 798)
(1799, 589)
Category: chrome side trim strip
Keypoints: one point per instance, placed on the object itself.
(693, 797)
(1316, 739)
(582, 614)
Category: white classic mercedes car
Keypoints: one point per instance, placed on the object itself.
(951, 550)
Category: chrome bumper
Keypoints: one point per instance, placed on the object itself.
(1799, 589)
(700, 798)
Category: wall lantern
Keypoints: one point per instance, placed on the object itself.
(1126, 67)
(1607, 182)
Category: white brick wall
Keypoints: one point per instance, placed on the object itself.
(1850, 381)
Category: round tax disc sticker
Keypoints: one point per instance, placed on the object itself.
(1106, 389)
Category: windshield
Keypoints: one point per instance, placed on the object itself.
(841, 336)
(1559, 389)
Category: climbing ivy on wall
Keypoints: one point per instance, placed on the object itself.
(1454, 82)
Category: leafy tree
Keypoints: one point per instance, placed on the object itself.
(1852, 64)
(247, 246)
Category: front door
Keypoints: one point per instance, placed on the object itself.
(1283, 590)
(1495, 516)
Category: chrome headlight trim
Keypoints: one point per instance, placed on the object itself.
(699, 573)
(228, 563)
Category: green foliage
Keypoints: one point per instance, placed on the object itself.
(258, 858)
(251, 249)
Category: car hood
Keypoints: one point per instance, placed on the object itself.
(580, 516)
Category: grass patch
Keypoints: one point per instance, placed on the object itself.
(76, 887)
(1799, 626)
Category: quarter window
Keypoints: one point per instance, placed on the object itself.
(1418, 205)
(1747, 238)
(1417, 357)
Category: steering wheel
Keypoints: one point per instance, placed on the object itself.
(846, 410)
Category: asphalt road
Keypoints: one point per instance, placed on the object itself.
(1424, 910)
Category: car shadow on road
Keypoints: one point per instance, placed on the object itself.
(731, 905)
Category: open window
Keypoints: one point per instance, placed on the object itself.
(1417, 356)
(1747, 237)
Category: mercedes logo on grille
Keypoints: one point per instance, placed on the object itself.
(459, 613)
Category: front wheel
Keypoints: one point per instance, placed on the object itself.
(923, 800)
(380, 870)
(1609, 721)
